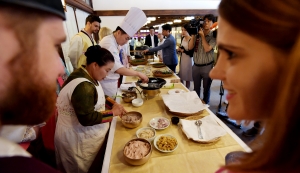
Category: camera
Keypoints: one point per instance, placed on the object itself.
(196, 24)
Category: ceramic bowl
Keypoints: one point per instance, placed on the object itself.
(140, 133)
(137, 102)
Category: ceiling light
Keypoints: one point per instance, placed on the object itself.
(151, 18)
(177, 21)
(189, 18)
(170, 23)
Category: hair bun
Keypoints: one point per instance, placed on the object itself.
(92, 50)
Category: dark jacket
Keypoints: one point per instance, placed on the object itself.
(169, 51)
(148, 40)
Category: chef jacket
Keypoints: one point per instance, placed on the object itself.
(110, 82)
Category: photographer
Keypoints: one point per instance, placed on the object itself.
(203, 44)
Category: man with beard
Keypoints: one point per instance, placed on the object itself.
(29, 67)
(83, 40)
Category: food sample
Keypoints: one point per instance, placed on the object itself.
(166, 143)
(131, 118)
(146, 134)
(144, 84)
(162, 123)
(163, 72)
(137, 149)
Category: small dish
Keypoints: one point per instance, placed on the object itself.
(137, 102)
(176, 91)
(159, 123)
(165, 143)
(147, 133)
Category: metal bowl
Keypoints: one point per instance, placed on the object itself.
(131, 124)
(140, 161)
(129, 96)
(151, 93)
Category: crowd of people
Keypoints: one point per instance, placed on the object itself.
(258, 63)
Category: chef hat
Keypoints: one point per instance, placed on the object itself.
(159, 29)
(133, 21)
(51, 6)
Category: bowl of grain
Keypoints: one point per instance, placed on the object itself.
(147, 133)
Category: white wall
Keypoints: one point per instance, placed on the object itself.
(111, 21)
(81, 16)
(154, 4)
(70, 29)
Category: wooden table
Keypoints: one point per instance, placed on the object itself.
(188, 157)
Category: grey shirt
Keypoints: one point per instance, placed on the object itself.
(202, 57)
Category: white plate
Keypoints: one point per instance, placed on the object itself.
(165, 151)
(164, 123)
(176, 91)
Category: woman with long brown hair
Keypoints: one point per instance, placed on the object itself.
(259, 64)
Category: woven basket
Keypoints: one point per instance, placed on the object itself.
(134, 63)
(159, 65)
(161, 75)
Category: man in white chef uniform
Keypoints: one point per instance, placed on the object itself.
(133, 21)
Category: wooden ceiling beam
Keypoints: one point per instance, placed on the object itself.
(80, 5)
(154, 13)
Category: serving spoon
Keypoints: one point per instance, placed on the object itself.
(198, 124)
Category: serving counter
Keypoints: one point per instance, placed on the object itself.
(190, 156)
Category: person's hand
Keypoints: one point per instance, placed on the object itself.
(118, 110)
(201, 33)
(144, 78)
(179, 50)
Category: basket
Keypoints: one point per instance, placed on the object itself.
(160, 74)
(158, 65)
(200, 114)
(134, 63)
